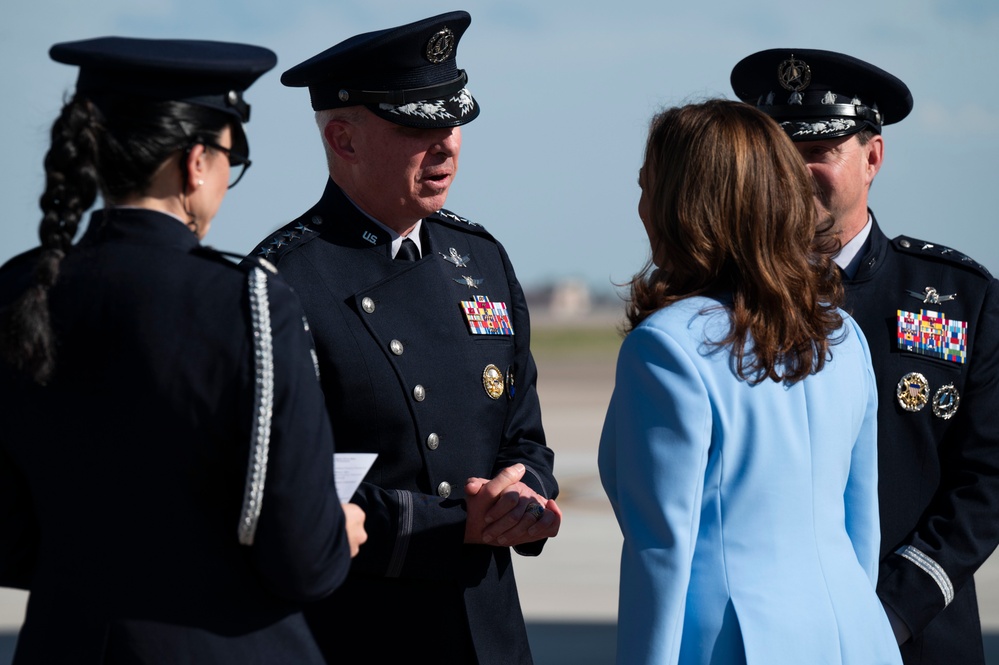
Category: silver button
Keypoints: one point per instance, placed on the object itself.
(396, 347)
(317, 220)
(444, 490)
(368, 305)
(433, 441)
(904, 243)
(419, 393)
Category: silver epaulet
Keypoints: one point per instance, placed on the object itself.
(263, 399)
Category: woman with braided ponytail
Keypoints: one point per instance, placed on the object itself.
(166, 486)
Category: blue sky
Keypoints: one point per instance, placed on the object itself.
(566, 89)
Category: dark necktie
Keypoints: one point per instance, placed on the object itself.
(407, 251)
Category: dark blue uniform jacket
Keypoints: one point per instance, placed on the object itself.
(939, 462)
(185, 398)
(405, 377)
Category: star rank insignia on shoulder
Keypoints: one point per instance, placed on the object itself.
(447, 214)
(922, 248)
(287, 237)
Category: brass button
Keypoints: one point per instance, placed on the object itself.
(396, 347)
(444, 490)
(368, 305)
(433, 441)
(419, 393)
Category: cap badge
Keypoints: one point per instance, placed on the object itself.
(794, 75)
(492, 381)
(913, 391)
(933, 335)
(441, 46)
(485, 317)
(454, 257)
(931, 296)
(945, 401)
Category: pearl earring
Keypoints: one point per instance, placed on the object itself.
(200, 183)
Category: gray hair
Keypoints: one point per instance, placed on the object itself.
(352, 114)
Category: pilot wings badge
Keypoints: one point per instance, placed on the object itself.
(930, 296)
(469, 281)
(454, 257)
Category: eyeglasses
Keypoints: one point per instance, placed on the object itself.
(237, 163)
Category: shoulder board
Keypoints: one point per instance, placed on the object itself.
(284, 240)
(915, 247)
(457, 221)
(233, 259)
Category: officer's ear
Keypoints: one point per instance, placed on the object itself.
(340, 135)
(875, 153)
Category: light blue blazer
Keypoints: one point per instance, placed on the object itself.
(749, 513)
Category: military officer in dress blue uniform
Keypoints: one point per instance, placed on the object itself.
(931, 317)
(166, 482)
(423, 339)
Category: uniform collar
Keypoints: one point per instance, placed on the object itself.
(872, 253)
(139, 225)
(850, 254)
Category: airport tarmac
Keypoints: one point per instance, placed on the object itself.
(569, 593)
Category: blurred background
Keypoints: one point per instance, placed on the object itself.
(550, 167)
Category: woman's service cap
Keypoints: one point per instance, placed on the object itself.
(817, 95)
(406, 75)
(205, 73)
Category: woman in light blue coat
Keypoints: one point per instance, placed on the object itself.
(739, 449)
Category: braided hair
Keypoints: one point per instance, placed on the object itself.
(112, 146)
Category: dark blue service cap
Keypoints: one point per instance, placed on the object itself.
(406, 75)
(818, 95)
(206, 73)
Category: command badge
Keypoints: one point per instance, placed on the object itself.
(945, 401)
(492, 381)
(932, 334)
(441, 46)
(913, 391)
(510, 380)
(485, 317)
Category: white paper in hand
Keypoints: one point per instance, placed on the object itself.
(348, 472)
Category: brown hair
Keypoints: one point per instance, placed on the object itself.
(732, 215)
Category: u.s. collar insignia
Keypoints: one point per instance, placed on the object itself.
(913, 391)
(492, 381)
(931, 296)
(468, 281)
(794, 74)
(454, 257)
(441, 46)
(485, 317)
(946, 401)
(933, 335)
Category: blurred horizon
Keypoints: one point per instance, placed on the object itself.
(566, 92)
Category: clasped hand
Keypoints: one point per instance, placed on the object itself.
(498, 511)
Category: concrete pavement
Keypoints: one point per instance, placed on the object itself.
(569, 594)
